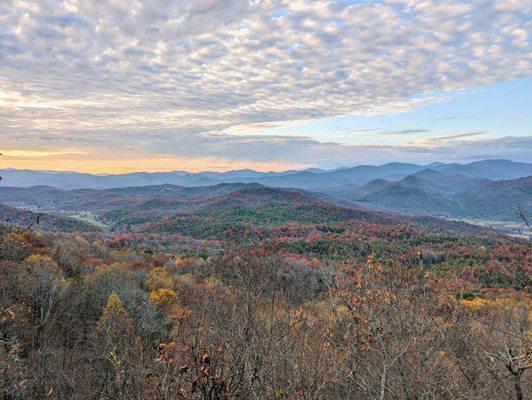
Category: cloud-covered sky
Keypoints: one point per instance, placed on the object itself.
(121, 85)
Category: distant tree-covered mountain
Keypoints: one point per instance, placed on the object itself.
(435, 193)
(470, 191)
(310, 179)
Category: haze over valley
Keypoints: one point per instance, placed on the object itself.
(482, 191)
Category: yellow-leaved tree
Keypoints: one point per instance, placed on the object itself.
(120, 349)
(161, 284)
(45, 286)
(159, 278)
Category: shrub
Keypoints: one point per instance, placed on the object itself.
(14, 247)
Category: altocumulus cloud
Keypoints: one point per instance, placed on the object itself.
(171, 76)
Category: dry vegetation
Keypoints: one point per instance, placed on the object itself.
(84, 320)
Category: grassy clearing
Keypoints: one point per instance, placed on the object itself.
(513, 228)
(90, 219)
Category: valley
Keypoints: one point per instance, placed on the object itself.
(242, 277)
(483, 190)
(265, 200)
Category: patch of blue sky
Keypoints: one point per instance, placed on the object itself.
(492, 111)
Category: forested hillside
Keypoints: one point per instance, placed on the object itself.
(239, 291)
(328, 311)
(265, 200)
(245, 291)
(488, 190)
(432, 193)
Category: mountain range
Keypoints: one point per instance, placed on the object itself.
(311, 179)
(484, 190)
(434, 193)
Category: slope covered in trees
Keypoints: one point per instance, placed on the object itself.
(195, 212)
(243, 291)
(27, 219)
(431, 193)
(356, 309)
(426, 192)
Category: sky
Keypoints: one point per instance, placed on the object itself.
(108, 86)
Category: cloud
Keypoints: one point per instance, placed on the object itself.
(39, 154)
(174, 75)
(404, 132)
(170, 150)
(458, 135)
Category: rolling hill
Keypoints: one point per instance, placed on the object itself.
(173, 208)
(437, 194)
(497, 198)
(337, 195)
(403, 197)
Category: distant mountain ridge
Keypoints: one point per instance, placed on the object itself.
(313, 179)
(473, 191)
(214, 211)
(438, 194)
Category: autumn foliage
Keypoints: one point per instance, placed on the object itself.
(344, 311)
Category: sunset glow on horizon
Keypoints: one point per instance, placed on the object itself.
(113, 87)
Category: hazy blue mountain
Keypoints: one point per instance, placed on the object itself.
(369, 188)
(453, 177)
(339, 179)
(446, 183)
(451, 196)
(405, 197)
(237, 174)
(499, 198)
(490, 169)
(302, 180)
(316, 170)
(439, 166)
(435, 183)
